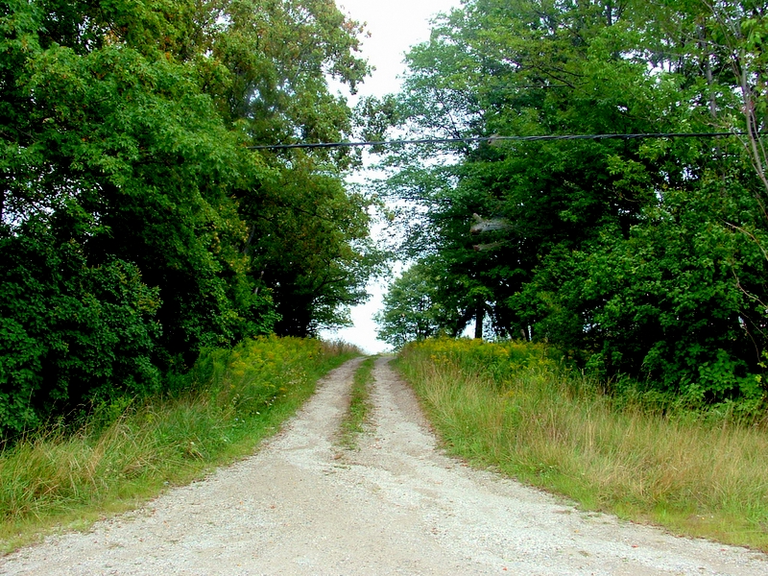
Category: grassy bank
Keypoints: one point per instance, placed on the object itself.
(512, 407)
(359, 404)
(127, 453)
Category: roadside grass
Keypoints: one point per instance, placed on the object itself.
(129, 452)
(512, 407)
(352, 424)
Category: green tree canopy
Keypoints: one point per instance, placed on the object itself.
(137, 224)
(411, 309)
(642, 257)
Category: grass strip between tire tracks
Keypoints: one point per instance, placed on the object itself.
(353, 422)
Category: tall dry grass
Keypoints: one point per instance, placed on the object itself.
(127, 452)
(512, 407)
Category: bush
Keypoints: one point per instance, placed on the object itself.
(70, 333)
(677, 303)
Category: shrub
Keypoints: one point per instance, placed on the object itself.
(70, 332)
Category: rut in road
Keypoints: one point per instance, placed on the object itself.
(396, 505)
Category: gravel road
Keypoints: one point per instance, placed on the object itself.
(396, 505)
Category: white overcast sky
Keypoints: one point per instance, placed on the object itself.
(394, 26)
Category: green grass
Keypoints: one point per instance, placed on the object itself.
(352, 425)
(512, 407)
(58, 478)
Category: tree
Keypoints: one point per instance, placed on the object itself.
(411, 311)
(311, 248)
(308, 236)
(521, 68)
(626, 253)
(127, 176)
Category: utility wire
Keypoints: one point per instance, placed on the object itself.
(494, 139)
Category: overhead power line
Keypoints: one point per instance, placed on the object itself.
(493, 139)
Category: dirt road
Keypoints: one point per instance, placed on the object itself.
(302, 505)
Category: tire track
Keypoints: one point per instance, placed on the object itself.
(396, 505)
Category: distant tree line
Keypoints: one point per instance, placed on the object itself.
(646, 257)
(136, 225)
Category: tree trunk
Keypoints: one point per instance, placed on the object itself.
(479, 314)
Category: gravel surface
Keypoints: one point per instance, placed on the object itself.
(396, 505)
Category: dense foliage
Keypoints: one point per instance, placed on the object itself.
(644, 257)
(136, 224)
(410, 311)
